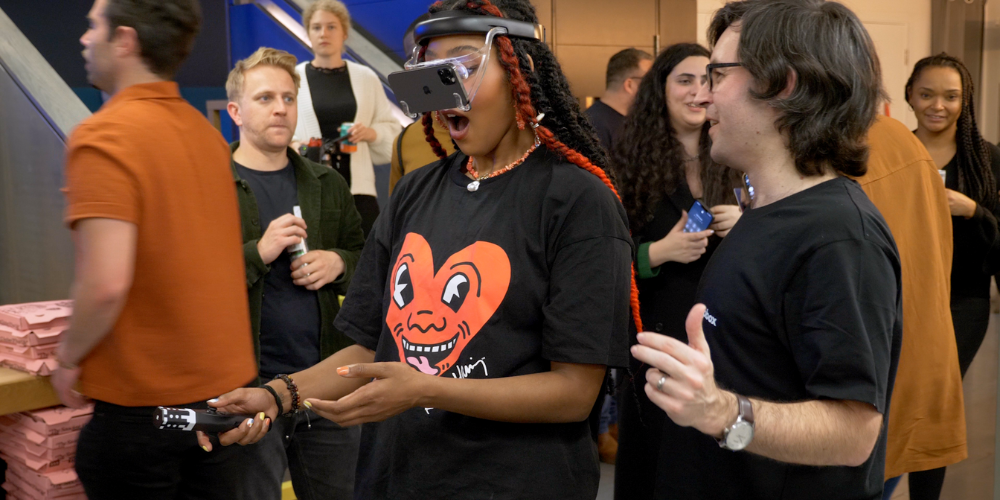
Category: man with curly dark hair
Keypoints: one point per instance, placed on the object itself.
(783, 388)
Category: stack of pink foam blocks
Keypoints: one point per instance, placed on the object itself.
(40, 449)
(29, 334)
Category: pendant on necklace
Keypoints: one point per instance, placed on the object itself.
(473, 186)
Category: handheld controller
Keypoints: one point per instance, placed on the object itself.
(186, 419)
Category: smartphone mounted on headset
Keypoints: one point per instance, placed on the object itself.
(429, 89)
(452, 82)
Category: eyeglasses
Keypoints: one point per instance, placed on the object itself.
(710, 70)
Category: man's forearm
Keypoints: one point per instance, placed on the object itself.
(823, 433)
(94, 314)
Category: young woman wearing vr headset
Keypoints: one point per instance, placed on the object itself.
(493, 293)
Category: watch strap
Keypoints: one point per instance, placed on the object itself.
(746, 409)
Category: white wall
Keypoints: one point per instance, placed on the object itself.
(901, 30)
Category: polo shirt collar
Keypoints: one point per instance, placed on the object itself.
(155, 90)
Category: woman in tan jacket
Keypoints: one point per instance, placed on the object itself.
(927, 413)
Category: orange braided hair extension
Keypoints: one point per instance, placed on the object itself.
(428, 123)
(526, 114)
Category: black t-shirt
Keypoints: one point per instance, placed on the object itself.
(334, 103)
(975, 239)
(289, 314)
(607, 121)
(804, 303)
(532, 268)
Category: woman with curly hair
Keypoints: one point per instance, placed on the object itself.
(662, 165)
(493, 293)
(940, 91)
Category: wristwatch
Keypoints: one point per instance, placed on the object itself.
(739, 435)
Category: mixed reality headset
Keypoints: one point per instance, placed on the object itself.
(452, 82)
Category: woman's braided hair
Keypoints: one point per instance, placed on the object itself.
(566, 131)
(975, 174)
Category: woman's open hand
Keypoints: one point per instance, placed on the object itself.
(396, 387)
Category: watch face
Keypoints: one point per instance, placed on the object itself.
(739, 436)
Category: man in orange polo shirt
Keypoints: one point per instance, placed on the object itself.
(161, 315)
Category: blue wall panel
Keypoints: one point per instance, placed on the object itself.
(387, 20)
(251, 29)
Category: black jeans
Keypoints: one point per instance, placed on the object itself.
(320, 455)
(121, 454)
(971, 317)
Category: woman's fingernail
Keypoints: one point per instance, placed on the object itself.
(261, 415)
(249, 422)
(206, 449)
(343, 370)
(213, 400)
(308, 405)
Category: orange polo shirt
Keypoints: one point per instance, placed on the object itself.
(927, 413)
(149, 158)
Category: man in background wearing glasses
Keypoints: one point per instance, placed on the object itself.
(783, 389)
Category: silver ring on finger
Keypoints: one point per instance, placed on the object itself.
(659, 383)
(308, 275)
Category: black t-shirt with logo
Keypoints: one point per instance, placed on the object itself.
(532, 268)
(804, 303)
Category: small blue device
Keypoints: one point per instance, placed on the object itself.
(698, 218)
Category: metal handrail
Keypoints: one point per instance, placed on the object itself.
(48, 92)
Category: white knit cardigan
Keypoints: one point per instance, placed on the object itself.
(373, 111)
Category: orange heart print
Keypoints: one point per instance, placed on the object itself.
(434, 315)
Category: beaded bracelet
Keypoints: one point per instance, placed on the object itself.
(277, 398)
(293, 390)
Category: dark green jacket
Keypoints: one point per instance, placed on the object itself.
(334, 224)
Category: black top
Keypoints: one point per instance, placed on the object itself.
(668, 297)
(804, 303)
(334, 103)
(976, 239)
(532, 268)
(665, 299)
(607, 121)
(289, 315)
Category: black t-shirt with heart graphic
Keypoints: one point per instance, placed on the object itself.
(532, 268)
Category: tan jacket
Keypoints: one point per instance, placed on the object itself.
(927, 413)
(411, 151)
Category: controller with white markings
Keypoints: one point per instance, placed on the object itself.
(187, 419)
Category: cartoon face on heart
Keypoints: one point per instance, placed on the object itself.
(433, 315)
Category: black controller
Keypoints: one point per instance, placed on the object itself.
(186, 419)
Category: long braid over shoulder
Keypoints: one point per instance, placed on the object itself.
(564, 129)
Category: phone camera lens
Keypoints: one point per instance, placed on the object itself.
(447, 76)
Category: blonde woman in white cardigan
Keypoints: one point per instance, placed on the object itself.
(335, 91)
